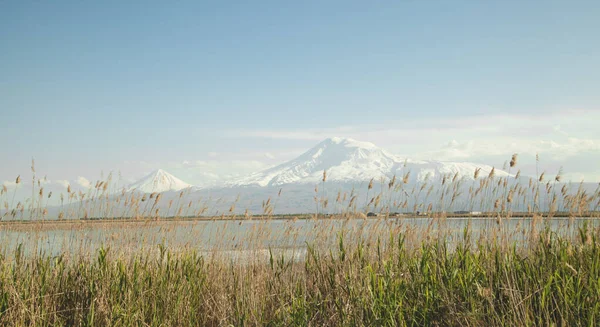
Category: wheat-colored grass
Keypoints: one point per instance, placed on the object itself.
(170, 262)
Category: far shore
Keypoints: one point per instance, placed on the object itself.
(132, 222)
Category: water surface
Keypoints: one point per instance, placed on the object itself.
(235, 237)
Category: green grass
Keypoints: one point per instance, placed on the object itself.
(388, 274)
(551, 280)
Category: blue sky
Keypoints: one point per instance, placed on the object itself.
(235, 87)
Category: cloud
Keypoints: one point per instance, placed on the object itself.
(63, 183)
(83, 182)
(566, 138)
(557, 136)
(558, 129)
(211, 172)
(571, 147)
(465, 136)
(206, 172)
(9, 184)
(436, 129)
(42, 182)
(308, 134)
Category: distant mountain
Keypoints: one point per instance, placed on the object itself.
(349, 161)
(158, 181)
(289, 188)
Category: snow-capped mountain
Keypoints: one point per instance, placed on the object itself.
(158, 181)
(348, 160)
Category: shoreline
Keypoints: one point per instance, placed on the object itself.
(132, 222)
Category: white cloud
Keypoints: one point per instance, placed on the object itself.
(83, 182)
(207, 172)
(439, 130)
(63, 183)
(211, 172)
(557, 149)
(561, 138)
(558, 129)
(42, 182)
(9, 184)
(571, 147)
(557, 136)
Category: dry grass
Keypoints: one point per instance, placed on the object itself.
(153, 266)
(380, 281)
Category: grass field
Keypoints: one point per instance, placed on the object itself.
(385, 282)
(392, 277)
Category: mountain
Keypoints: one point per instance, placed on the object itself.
(289, 188)
(158, 181)
(348, 161)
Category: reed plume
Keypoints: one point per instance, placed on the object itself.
(559, 175)
(513, 160)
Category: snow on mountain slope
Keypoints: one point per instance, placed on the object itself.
(344, 160)
(348, 160)
(158, 181)
(430, 169)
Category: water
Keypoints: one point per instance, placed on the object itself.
(236, 238)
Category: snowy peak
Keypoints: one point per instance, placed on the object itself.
(336, 151)
(344, 160)
(348, 160)
(158, 181)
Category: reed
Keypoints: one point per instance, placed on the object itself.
(182, 262)
(386, 281)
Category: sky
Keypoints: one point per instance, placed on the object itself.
(212, 91)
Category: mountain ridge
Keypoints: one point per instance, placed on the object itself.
(349, 160)
(344, 159)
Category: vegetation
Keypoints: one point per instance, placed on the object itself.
(389, 282)
(492, 194)
(329, 270)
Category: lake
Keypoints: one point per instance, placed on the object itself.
(243, 238)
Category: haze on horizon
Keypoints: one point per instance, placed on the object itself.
(211, 92)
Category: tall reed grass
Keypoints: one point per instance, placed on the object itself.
(552, 281)
(487, 192)
(146, 264)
